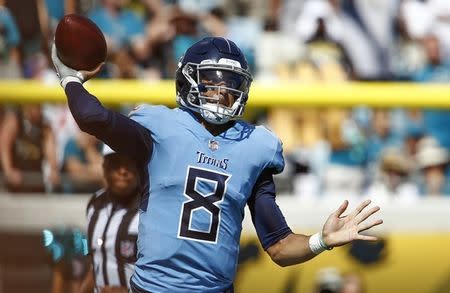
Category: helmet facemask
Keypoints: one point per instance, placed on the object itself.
(218, 91)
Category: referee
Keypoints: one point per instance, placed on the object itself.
(112, 215)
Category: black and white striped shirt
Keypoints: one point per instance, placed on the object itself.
(112, 235)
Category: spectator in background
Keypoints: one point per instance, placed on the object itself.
(440, 10)
(128, 39)
(417, 16)
(67, 250)
(186, 31)
(414, 133)
(63, 126)
(33, 23)
(305, 179)
(124, 32)
(380, 136)
(328, 280)
(122, 27)
(9, 42)
(85, 6)
(201, 7)
(348, 154)
(432, 161)
(191, 25)
(320, 28)
(276, 53)
(56, 9)
(437, 70)
(376, 21)
(352, 283)
(285, 13)
(160, 29)
(27, 142)
(245, 31)
(82, 164)
(407, 55)
(342, 29)
(394, 181)
(56, 115)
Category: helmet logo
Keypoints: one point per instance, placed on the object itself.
(189, 69)
(231, 62)
(224, 61)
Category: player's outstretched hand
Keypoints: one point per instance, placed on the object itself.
(339, 230)
(67, 74)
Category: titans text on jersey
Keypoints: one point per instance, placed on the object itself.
(202, 158)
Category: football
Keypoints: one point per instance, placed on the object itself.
(80, 44)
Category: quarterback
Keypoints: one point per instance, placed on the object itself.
(200, 165)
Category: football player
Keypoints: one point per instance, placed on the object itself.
(206, 165)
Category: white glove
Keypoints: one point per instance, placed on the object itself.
(65, 73)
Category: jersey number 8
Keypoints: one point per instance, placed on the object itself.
(198, 200)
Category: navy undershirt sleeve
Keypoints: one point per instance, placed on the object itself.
(267, 217)
(121, 133)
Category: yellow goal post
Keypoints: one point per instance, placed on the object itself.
(288, 94)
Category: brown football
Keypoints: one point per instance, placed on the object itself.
(80, 44)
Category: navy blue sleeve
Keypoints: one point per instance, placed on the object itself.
(121, 133)
(266, 215)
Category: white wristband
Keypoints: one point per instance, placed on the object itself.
(316, 243)
(68, 79)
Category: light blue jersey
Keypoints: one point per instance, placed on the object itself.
(199, 184)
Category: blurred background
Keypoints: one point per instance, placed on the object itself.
(358, 91)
